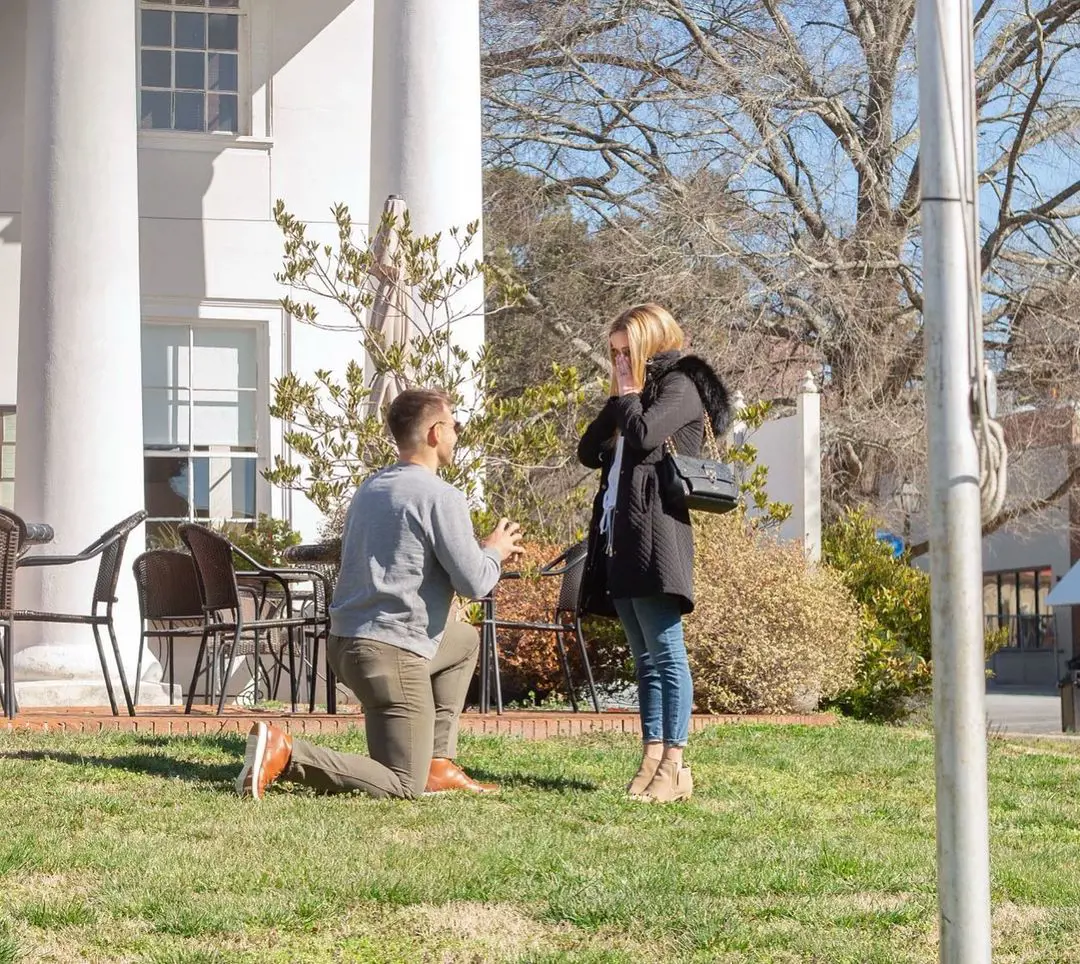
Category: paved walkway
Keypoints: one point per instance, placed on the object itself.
(203, 719)
(1012, 711)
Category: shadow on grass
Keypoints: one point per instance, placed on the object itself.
(147, 763)
(531, 781)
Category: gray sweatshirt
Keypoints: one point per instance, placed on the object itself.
(408, 545)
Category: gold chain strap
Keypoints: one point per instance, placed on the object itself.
(710, 439)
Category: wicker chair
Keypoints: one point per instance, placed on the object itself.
(109, 549)
(10, 539)
(566, 620)
(170, 606)
(30, 533)
(266, 590)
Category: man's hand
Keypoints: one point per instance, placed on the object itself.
(506, 540)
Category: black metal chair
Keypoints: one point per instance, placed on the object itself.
(566, 620)
(109, 548)
(170, 606)
(270, 591)
(323, 558)
(10, 540)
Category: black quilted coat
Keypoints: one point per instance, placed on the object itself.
(653, 546)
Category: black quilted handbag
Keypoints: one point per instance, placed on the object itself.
(697, 482)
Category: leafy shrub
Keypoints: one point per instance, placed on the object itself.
(894, 670)
(894, 653)
(514, 455)
(770, 633)
(265, 540)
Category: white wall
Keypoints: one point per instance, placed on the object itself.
(12, 71)
(790, 447)
(209, 247)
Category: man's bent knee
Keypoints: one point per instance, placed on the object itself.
(462, 636)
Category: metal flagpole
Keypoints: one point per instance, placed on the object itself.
(951, 295)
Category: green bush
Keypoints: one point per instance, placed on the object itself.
(265, 540)
(770, 633)
(515, 451)
(894, 671)
(894, 654)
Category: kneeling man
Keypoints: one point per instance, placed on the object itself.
(408, 545)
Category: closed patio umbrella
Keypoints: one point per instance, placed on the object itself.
(391, 309)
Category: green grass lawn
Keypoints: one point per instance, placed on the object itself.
(802, 844)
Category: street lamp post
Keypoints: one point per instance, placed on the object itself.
(910, 499)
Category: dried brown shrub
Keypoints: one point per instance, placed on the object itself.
(528, 659)
(770, 633)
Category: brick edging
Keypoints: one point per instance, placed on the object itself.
(536, 726)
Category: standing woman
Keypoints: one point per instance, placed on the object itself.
(640, 562)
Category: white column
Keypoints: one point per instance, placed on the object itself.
(79, 388)
(808, 411)
(425, 127)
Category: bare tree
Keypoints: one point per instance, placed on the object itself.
(776, 142)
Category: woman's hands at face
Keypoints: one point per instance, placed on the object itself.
(624, 377)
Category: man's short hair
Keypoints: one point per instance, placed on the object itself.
(410, 413)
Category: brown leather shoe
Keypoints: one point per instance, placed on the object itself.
(268, 752)
(445, 775)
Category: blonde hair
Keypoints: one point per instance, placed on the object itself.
(650, 329)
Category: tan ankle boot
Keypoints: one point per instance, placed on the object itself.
(672, 782)
(644, 776)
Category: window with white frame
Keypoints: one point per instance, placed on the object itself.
(7, 457)
(200, 422)
(189, 65)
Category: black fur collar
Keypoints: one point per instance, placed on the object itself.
(714, 396)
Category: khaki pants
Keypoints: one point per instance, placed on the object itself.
(411, 710)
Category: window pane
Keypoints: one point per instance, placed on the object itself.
(7, 495)
(191, 3)
(1027, 592)
(223, 419)
(166, 356)
(224, 114)
(224, 73)
(224, 31)
(167, 486)
(166, 418)
(7, 462)
(156, 28)
(191, 71)
(1046, 583)
(189, 112)
(155, 110)
(224, 488)
(225, 3)
(156, 68)
(224, 358)
(191, 30)
(7, 428)
(1008, 593)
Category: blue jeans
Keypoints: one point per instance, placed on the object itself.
(653, 627)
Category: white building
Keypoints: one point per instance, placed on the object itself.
(1023, 561)
(1025, 558)
(143, 144)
